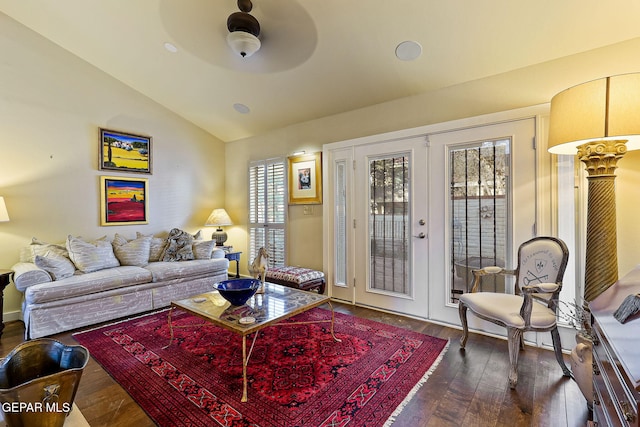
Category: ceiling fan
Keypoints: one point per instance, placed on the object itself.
(288, 33)
(244, 30)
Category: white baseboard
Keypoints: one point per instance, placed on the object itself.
(10, 316)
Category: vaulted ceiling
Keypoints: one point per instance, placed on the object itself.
(318, 57)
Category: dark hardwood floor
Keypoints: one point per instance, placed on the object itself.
(469, 388)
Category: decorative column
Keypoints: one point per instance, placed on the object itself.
(601, 264)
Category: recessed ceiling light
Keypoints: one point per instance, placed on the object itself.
(170, 47)
(408, 50)
(241, 108)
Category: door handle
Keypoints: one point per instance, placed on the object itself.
(421, 235)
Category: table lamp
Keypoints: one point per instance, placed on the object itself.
(599, 121)
(219, 218)
(4, 215)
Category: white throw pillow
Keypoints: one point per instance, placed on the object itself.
(91, 256)
(157, 246)
(58, 266)
(132, 252)
(202, 249)
(38, 247)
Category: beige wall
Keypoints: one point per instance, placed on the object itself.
(51, 106)
(463, 101)
(628, 207)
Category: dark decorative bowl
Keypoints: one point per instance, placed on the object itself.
(237, 291)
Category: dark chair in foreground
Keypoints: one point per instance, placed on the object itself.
(541, 265)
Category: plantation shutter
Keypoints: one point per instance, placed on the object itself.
(267, 210)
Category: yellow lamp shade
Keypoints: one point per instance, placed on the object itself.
(607, 108)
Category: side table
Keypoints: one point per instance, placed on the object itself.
(5, 279)
(234, 256)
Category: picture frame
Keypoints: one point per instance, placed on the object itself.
(125, 152)
(305, 179)
(124, 201)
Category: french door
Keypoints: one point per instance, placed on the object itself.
(407, 213)
(390, 212)
(484, 225)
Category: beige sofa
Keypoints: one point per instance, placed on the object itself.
(80, 283)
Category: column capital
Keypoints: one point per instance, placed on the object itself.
(601, 157)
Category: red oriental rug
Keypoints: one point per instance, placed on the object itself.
(298, 375)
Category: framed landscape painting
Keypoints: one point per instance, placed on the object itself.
(305, 179)
(123, 201)
(125, 152)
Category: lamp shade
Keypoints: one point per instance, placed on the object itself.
(4, 215)
(604, 109)
(218, 217)
(243, 43)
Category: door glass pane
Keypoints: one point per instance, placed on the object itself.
(479, 182)
(389, 224)
(341, 223)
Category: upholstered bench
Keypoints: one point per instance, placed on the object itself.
(297, 277)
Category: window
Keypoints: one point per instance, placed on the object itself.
(567, 216)
(479, 183)
(389, 208)
(340, 232)
(267, 209)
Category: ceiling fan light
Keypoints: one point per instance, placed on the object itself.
(243, 43)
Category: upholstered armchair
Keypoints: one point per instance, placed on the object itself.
(541, 265)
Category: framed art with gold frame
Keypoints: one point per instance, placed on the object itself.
(125, 152)
(123, 201)
(305, 179)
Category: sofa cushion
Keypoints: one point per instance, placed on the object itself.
(91, 256)
(163, 271)
(83, 284)
(58, 266)
(132, 252)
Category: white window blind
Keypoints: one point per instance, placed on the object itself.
(267, 209)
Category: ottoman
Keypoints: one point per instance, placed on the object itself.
(297, 277)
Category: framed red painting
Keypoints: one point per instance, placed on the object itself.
(123, 201)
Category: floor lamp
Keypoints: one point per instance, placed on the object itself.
(599, 121)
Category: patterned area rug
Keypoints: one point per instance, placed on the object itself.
(298, 375)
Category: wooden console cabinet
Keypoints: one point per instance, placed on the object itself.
(616, 357)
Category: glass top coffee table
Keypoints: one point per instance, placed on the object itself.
(275, 305)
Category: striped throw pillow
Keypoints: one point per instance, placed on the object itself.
(132, 252)
(58, 266)
(91, 256)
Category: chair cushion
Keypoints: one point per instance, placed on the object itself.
(505, 308)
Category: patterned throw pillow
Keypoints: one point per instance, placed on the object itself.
(132, 252)
(179, 246)
(58, 266)
(91, 256)
(202, 249)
